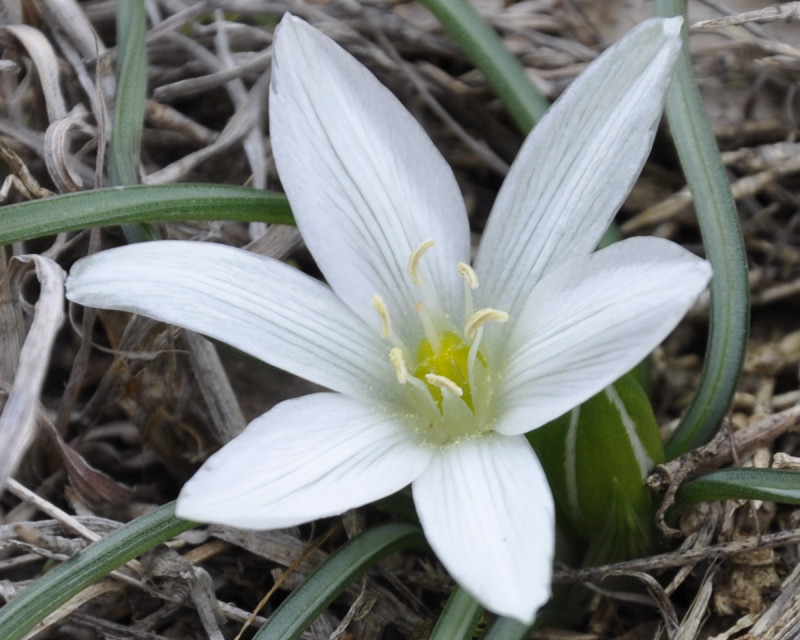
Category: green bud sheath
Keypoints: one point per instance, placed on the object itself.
(597, 458)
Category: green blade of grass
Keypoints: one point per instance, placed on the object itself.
(126, 136)
(487, 52)
(722, 238)
(305, 603)
(118, 205)
(56, 587)
(459, 619)
(775, 485)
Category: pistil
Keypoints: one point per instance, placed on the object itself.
(428, 325)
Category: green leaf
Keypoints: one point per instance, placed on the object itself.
(459, 619)
(117, 205)
(305, 603)
(52, 590)
(775, 485)
(724, 245)
(597, 458)
(126, 135)
(508, 629)
(487, 52)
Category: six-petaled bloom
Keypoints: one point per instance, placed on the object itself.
(437, 366)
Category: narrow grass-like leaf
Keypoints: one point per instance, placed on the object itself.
(117, 205)
(306, 602)
(776, 485)
(488, 53)
(126, 136)
(98, 559)
(722, 237)
(131, 90)
(459, 619)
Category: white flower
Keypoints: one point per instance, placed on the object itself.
(434, 379)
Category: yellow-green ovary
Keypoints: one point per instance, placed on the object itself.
(450, 361)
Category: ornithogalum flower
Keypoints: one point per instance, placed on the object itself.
(436, 366)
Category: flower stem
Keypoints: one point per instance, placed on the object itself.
(508, 629)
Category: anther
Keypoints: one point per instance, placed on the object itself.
(383, 312)
(468, 273)
(444, 383)
(399, 362)
(481, 317)
(416, 256)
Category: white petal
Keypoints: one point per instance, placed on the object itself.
(366, 185)
(590, 321)
(578, 165)
(307, 458)
(257, 305)
(487, 512)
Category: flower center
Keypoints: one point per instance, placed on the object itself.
(447, 376)
(449, 365)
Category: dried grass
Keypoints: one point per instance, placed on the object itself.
(134, 407)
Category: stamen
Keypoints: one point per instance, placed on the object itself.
(383, 312)
(416, 256)
(472, 358)
(468, 273)
(481, 317)
(446, 384)
(399, 362)
(470, 284)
